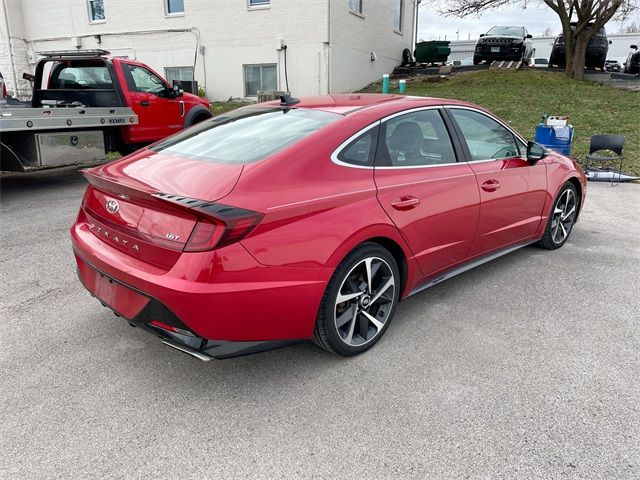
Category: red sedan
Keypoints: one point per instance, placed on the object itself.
(311, 219)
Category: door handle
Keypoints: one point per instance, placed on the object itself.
(490, 185)
(406, 203)
(144, 103)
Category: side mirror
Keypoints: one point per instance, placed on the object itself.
(481, 35)
(535, 152)
(529, 35)
(178, 89)
(634, 47)
(610, 42)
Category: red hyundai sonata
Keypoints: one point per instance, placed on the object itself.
(311, 219)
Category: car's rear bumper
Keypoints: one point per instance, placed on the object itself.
(219, 297)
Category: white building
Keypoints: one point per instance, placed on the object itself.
(231, 47)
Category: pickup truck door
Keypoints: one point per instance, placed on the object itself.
(158, 114)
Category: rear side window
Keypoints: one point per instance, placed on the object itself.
(360, 151)
(415, 139)
(245, 135)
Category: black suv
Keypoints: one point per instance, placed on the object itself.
(504, 43)
(632, 63)
(596, 50)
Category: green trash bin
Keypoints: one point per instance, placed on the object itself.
(434, 51)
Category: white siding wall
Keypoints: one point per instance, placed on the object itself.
(354, 38)
(231, 33)
(14, 56)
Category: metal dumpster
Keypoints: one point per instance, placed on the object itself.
(434, 51)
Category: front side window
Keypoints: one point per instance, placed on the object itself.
(415, 139)
(260, 77)
(485, 137)
(174, 7)
(143, 80)
(96, 11)
(245, 135)
(398, 13)
(355, 6)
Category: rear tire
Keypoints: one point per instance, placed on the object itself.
(477, 60)
(561, 218)
(359, 302)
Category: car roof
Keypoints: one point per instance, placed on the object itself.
(348, 103)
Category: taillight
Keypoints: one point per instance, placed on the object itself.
(208, 235)
(218, 225)
(4, 90)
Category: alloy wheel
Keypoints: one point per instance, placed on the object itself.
(364, 302)
(564, 214)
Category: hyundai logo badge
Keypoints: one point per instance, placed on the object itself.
(113, 206)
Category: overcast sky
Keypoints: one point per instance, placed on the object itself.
(537, 17)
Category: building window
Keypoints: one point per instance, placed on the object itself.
(179, 73)
(96, 11)
(260, 77)
(398, 13)
(355, 6)
(174, 7)
(259, 3)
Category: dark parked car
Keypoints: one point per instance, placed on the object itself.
(612, 66)
(632, 64)
(596, 55)
(504, 43)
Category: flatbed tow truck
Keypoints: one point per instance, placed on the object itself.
(85, 104)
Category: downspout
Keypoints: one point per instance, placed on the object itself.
(10, 47)
(329, 46)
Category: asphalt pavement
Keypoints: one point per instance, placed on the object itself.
(527, 367)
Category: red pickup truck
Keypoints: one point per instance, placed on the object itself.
(86, 103)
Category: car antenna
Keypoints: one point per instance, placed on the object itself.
(287, 101)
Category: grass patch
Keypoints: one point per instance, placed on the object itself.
(220, 107)
(520, 97)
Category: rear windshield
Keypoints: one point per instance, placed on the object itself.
(81, 76)
(246, 135)
(507, 31)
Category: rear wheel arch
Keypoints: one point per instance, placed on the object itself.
(392, 245)
(398, 254)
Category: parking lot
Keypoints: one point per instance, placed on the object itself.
(527, 367)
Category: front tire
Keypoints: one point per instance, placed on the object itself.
(359, 302)
(561, 219)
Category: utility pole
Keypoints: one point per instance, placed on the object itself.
(416, 14)
(458, 35)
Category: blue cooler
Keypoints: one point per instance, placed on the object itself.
(555, 138)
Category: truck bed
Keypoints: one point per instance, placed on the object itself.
(15, 119)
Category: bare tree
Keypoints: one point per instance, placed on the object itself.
(632, 27)
(580, 19)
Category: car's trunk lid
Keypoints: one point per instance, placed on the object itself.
(123, 209)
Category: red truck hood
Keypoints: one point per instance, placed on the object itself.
(156, 172)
